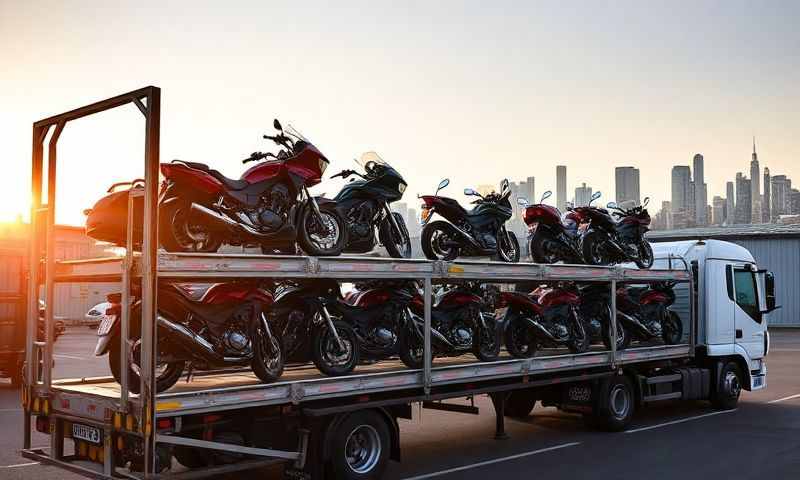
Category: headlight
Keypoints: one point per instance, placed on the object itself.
(401, 187)
(323, 164)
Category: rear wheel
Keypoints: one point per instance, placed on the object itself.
(323, 235)
(591, 247)
(398, 244)
(329, 356)
(613, 405)
(507, 247)
(671, 328)
(520, 341)
(361, 443)
(167, 374)
(179, 234)
(542, 248)
(438, 241)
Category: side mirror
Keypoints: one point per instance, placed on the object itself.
(645, 201)
(277, 125)
(611, 205)
(769, 287)
(442, 184)
(596, 195)
(504, 185)
(470, 192)
(522, 202)
(545, 196)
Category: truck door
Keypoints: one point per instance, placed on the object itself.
(748, 319)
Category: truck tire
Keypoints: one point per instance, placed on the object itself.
(613, 404)
(520, 404)
(725, 394)
(361, 446)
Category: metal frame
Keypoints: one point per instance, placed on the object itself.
(152, 265)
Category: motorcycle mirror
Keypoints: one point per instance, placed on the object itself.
(470, 192)
(611, 205)
(522, 202)
(545, 196)
(646, 201)
(594, 197)
(504, 185)
(277, 125)
(442, 184)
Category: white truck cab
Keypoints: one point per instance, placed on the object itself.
(732, 304)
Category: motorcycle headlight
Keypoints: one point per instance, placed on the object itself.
(401, 187)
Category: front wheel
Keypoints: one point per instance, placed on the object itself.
(329, 356)
(411, 345)
(439, 241)
(645, 257)
(486, 341)
(398, 244)
(323, 235)
(580, 340)
(725, 394)
(671, 328)
(520, 341)
(268, 360)
(507, 247)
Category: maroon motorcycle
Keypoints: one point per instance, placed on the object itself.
(550, 239)
(547, 317)
(608, 240)
(645, 313)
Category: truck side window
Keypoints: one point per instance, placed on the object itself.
(746, 293)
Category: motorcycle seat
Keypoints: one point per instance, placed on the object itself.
(228, 182)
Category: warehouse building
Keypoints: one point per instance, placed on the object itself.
(775, 247)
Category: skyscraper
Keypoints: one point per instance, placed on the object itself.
(744, 207)
(700, 192)
(561, 187)
(627, 185)
(780, 191)
(766, 210)
(755, 186)
(730, 203)
(582, 195)
(717, 210)
(681, 183)
(531, 190)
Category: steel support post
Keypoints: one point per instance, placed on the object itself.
(125, 310)
(428, 353)
(613, 321)
(149, 277)
(50, 257)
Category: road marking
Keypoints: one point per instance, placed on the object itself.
(784, 398)
(7, 410)
(69, 356)
(784, 349)
(491, 462)
(687, 419)
(20, 465)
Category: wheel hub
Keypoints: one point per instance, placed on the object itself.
(363, 449)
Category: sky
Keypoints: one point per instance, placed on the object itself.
(473, 91)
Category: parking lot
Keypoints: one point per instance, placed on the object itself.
(760, 439)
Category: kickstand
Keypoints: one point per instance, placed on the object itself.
(499, 403)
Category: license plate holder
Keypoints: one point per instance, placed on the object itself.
(87, 433)
(105, 325)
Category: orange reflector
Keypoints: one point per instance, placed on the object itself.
(117, 420)
(36, 405)
(82, 447)
(46, 406)
(93, 453)
(120, 443)
(129, 423)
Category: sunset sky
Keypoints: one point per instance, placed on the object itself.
(473, 91)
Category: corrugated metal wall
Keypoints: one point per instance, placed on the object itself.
(782, 257)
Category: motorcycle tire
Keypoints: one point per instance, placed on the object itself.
(164, 380)
(671, 328)
(645, 258)
(268, 360)
(176, 231)
(429, 241)
(590, 248)
(310, 243)
(509, 252)
(520, 343)
(326, 354)
(411, 348)
(541, 250)
(486, 344)
(623, 335)
(579, 345)
(395, 247)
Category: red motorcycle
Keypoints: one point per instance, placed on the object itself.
(549, 316)
(549, 238)
(269, 206)
(608, 240)
(645, 313)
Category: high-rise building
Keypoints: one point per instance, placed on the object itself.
(755, 186)
(794, 202)
(681, 186)
(700, 193)
(730, 203)
(561, 187)
(780, 191)
(766, 215)
(744, 208)
(718, 210)
(531, 190)
(627, 185)
(583, 195)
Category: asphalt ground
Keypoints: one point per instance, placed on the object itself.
(686, 440)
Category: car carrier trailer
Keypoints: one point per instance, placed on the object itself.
(347, 427)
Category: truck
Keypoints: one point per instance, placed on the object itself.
(347, 427)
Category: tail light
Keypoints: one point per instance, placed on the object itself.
(424, 214)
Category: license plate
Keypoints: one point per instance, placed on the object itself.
(105, 324)
(85, 432)
(758, 381)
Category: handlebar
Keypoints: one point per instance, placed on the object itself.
(258, 156)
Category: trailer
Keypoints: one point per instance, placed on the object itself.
(347, 427)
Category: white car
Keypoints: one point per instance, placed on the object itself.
(96, 314)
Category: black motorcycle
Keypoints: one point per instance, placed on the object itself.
(646, 314)
(200, 326)
(364, 205)
(594, 310)
(477, 232)
(608, 241)
(301, 316)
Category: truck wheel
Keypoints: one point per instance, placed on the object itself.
(613, 405)
(361, 447)
(520, 404)
(725, 394)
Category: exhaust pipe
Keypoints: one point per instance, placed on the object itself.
(225, 222)
(630, 320)
(541, 330)
(195, 344)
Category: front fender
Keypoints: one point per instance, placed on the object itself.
(103, 343)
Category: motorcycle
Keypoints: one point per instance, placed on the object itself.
(645, 313)
(207, 327)
(549, 316)
(459, 324)
(477, 232)
(364, 205)
(550, 240)
(594, 310)
(607, 241)
(269, 206)
(302, 317)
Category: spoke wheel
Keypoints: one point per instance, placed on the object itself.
(179, 234)
(438, 241)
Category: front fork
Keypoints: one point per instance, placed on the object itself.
(393, 221)
(331, 327)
